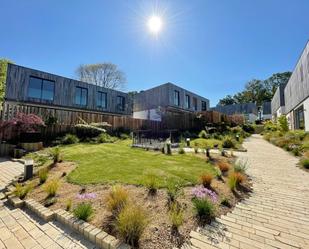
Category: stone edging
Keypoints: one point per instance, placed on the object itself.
(88, 231)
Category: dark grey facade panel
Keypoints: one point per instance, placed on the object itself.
(266, 108)
(245, 108)
(278, 99)
(65, 91)
(297, 88)
(164, 96)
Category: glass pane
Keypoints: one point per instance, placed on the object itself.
(48, 90)
(84, 96)
(78, 95)
(34, 89)
(104, 100)
(101, 100)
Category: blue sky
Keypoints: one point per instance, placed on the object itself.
(211, 47)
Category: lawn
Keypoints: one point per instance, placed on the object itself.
(118, 162)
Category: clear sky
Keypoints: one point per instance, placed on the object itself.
(211, 47)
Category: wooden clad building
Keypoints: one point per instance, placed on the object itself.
(25, 85)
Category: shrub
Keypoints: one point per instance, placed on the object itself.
(105, 138)
(70, 139)
(204, 208)
(218, 174)
(56, 155)
(224, 167)
(68, 204)
(206, 179)
(225, 202)
(283, 123)
(239, 177)
(83, 211)
(241, 166)
(203, 134)
(22, 191)
(176, 216)
(228, 142)
(181, 150)
(202, 193)
(51, 187)
(305, 163)
(232, 182)
(117, 199)
(296, 151)
(248, 128)
(173, 191)
(43, 174)
(151, 183)
(50, 201)
(87, 130)
(131, 223)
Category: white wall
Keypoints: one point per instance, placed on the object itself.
(306, 113)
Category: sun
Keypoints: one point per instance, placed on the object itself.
(155, 24)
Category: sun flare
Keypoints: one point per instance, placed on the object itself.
(155, 24)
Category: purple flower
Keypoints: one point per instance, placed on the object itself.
(201, 193)
(86, 196)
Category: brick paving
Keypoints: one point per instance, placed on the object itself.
(9, 170)
(276, 215)
(21, 229)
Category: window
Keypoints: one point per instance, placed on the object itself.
(41, 89)
(81, 96)
(195, 104)
(102, 100)
(204, 106)
(188, 104)
(299, 118)
(176, 98)
(120, 103)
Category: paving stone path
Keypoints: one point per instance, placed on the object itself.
(9, 170)
(21, 229)
(276, 215)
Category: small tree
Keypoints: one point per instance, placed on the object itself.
(283, 123)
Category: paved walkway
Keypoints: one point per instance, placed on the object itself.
(277, 213)
(9, 170)
(21, 229)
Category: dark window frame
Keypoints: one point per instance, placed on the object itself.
(99, 104)
(204, 105)
(299, 118)
(81, 94)
(121, 106)
(188, 101)
(41, 89)
(195, 103)
(176, 98)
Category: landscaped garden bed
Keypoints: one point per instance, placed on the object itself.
(167, 196)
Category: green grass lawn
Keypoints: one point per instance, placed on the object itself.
(203, 143)
(118, 162)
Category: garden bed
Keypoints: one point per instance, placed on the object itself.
(184, 169)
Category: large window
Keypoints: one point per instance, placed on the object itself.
(81, 96)
(120, 103)
(204, 106)
(195, 103)
(41, 89)
(176, 98)
(188, 104)
(101, 100)
(299, 118)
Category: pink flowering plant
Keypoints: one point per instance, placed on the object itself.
(202, 193)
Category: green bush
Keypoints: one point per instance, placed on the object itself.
(173, 191)
(270, 126)
(83, 211)
(241, 166)
(89, 131)
(43, 174)
(228, 142)
(131, 223)
(181, 150)
(117, 199)
(203, 134)
(106, 138)
(176, 216)
(55, 154)
(232, 182)
(305, 163)
(22, 191)
(151, 182)
(204, 208)
(283, 123)
(51, 187)
(70, 139)
(248, 128)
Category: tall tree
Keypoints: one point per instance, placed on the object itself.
(258, 91)
(102, 74)
(3, 70)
